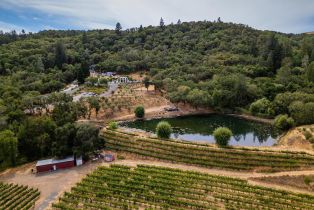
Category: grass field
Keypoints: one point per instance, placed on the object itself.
(17, 196)
(206, 155)
(150, 187)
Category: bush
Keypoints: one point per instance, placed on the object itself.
(222, 136)
(139, 112)
(262, 107)
(307, 180)
(307, 135)
(163, 130)
(113, 125)
(283, 122)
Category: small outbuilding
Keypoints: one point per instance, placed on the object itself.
(54, 164)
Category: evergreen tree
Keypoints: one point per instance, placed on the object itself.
(310, 72)
(312, 56)
(84, 38)
(39, 65)
(118, 28)
(140, 28)
(179, 22)
(83, 72)
(60, 55)
(162, 23)
(2, 68)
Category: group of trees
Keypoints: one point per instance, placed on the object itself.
(226, 66)
(35, 126)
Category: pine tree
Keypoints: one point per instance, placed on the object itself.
(162, 23)
(179, 22)
(310, 72)
(84, 38)
(140, 28)
(60, 55)
(39, 65)
(118, 28)
(312, 56)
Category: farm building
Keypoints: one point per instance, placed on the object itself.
(54, 164)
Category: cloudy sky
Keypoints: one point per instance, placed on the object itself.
(292, 16)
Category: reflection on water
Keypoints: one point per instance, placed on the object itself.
(200, 128)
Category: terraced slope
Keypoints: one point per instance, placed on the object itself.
(17, 196)
(150, 187)
(208, 156)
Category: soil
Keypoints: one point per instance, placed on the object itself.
(51, 184)
(296, 182)
(295, 138)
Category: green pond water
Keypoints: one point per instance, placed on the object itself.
(201, 127)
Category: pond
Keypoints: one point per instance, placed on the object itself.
(201, 127)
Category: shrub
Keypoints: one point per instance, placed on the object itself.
(283, 122)
(307, 135)
(222, 136)
(307, 180)
(262, 107)
(139, 112)
(163, 130)
(113, 125)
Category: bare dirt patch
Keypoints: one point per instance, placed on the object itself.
(296, 139)
(51, 184)
(301, 182)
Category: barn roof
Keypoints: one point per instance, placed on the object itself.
(54, 161)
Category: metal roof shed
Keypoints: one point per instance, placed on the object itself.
(54, 164)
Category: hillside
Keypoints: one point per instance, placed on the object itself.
(224, 66)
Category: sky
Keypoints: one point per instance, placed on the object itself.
(289, 16)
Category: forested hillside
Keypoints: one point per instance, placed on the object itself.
(229, 67)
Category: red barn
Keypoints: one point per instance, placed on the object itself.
(54, 164)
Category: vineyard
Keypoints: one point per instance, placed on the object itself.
(150, 187)
(17, 196)
(206, 155)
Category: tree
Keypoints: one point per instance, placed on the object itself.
(262, 107)
(179, 22)
(60, 55)
(8, 149)
(302, 113)
(163, 130)
(64, 140)
(64, 113)
(84, 38)
(139, 112)
(118, 28)
(86, 140)
(162, 23)
(36, 136)
(222, 136)
(113, 125)
(146, 82)
(39, 65)
(198, 98)
(283, 122)
(310, 72)
(93, 104)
